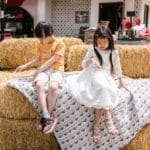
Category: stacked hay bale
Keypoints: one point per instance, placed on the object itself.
(141, 140)
(22, 134)
(18, 119)
(12, 103)
(135, 60)
(76, 55)
(68, 43)
(16, 52)
(18, 122)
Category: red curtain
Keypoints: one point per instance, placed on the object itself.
(14, 2)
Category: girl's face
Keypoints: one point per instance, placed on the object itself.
(103, 44)
(44, 40)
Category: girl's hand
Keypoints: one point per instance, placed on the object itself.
(34, 76)
(122, 85)
(21, 68)
(92, 62)
(88, 63)
(32, 79)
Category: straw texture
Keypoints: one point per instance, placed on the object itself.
(22, 134)
(12, 103)
(18, 122)
(68, 43)
(18, 119)
(141, 140)
(135, 60)
(76, 55)
(15, 52)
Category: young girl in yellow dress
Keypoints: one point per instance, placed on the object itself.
(50, 55)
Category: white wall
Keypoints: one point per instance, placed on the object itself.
(31, 7)
(129, 5)
(49, 11)
(40, 10)
(63, 13)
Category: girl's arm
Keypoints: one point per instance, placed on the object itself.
(121, 82)
(117, 68)
(87, 59)
(35, 61)
(46, 65)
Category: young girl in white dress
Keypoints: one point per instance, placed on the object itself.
(96, 85)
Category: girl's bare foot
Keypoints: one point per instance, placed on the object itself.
(111, 127)
(96, 136)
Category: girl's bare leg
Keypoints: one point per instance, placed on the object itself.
(52, 95)
(98, 115)
(42, 96)
(43, 104)
(109, 123)
(51, 101)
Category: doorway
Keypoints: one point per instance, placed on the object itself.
(112, 12)
(146, 15)
(19, 22)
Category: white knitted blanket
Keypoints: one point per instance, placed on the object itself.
(74, 130)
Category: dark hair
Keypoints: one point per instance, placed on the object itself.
(43, 29)
(103, 33)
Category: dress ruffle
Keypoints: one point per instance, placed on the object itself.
(96, 88)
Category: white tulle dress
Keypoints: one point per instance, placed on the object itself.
(95, 85)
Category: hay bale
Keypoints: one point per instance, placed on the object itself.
(141, 140)
(22, 134)
(70, 41)
(15, 52)
(135, 60)
(76, 55)
(18, 122)
(12, 103)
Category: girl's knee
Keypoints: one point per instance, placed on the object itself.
(40, 85)
(53, 87)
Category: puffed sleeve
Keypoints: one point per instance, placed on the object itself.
(60, 49)
(38, 49)
(116, 64)
(89, 55)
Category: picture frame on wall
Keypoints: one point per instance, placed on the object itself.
(81, 16)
